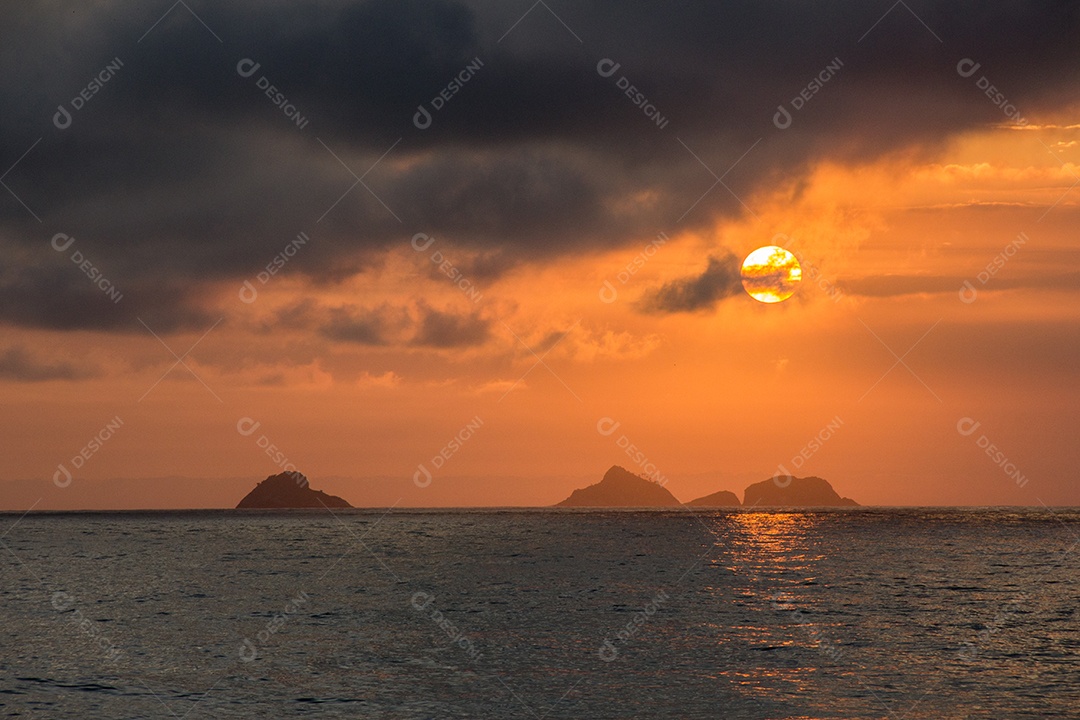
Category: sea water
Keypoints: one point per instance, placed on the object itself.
(864, 613)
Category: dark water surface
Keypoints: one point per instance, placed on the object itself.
(872, 613)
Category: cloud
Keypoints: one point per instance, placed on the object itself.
(386, 325)
(388, 379)
(898, 285)
(582, 343)
(446, 330)
(180, 171)
(719, 281)
(63, 298)
(360, 326)
(19, 365)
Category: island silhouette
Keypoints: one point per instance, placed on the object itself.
(619, 488)
(289, 490)
(622, 488)
(721, 498)
(785, 490)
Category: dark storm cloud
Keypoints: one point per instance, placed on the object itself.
(446, 330)
(386, 325)
(897, 285)
(358, 326)
(719, 281)
(18, 364)
(179, 168)
(63, 298)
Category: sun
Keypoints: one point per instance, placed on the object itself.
(771, 274)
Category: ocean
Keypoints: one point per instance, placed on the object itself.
(858, 613)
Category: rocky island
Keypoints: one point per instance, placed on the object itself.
(787, 491)
(621, 488)
(723, 498)
(288, 490)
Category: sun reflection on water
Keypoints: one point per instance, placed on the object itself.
(774, 559)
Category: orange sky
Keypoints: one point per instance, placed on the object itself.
(714, 399)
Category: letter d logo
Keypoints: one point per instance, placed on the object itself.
(782, 118)
(967, 426)
(422, 118)
(62, 477)
(423, 238)
(248, 651)
(64, 245)
(607, 67)
(608, 293)
(62, 118)
(968, 293)
(248, 293)
(421, 477)
(606, 426)
(62, 601)
(781, 236)
(246, 426)
(246, 67)
(607, 651)
(967, 67)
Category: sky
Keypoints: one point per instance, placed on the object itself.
(475, 253)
